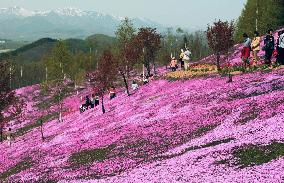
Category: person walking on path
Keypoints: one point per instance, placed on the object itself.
(255, 46)
(269, 44)
(246, 50)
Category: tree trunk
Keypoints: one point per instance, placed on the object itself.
(125, 83)
(1, 133)
(60, 113)
(147, 65)
(60, 116)
(218, 62)
(154, 65)
(103, 107)
(41, 130)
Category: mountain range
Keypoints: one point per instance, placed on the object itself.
(18, 23)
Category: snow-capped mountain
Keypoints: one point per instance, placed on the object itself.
(20, 23)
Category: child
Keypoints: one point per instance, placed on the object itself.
(145, 80)
(174, 64)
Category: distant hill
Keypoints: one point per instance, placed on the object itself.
(35, 51)
(31, 52)
(100, 41)
(11, 44)
(20, 24)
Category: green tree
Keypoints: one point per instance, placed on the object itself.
(150, 40)
(269, 15)
(125, 58)
(57, 65)
(78, 67)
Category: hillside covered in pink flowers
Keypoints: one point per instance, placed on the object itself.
(196, 130)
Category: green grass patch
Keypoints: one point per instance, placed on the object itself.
(87, 157)
(203, 130)
(23, 165)
(45, 104)
(29, 127)
(257, 155)
(222, 162)
(210, 144)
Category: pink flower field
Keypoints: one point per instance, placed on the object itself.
(198, 130)
(195, 130)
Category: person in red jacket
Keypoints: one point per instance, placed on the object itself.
(246, 50)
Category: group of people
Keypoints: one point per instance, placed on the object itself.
(90, 103)
(93, 101)
(184, 59)
(269, 47)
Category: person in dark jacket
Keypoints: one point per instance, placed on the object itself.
(97, 101)
(269, 44)
(280, 48)
(85, 106)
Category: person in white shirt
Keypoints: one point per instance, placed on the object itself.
(186, 59)
(134, 85)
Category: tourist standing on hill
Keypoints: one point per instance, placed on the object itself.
(181, 59)
(9, 136)
(280, 48)
(186, 59)
(92, 100)
(134, 85)
(269, 46)
(97, 100)
(173, 64)
(112, 93)
(246, 50)
(255, 46)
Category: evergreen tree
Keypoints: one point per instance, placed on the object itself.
(269, 15)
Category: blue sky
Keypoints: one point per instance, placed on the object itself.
(185, 13)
